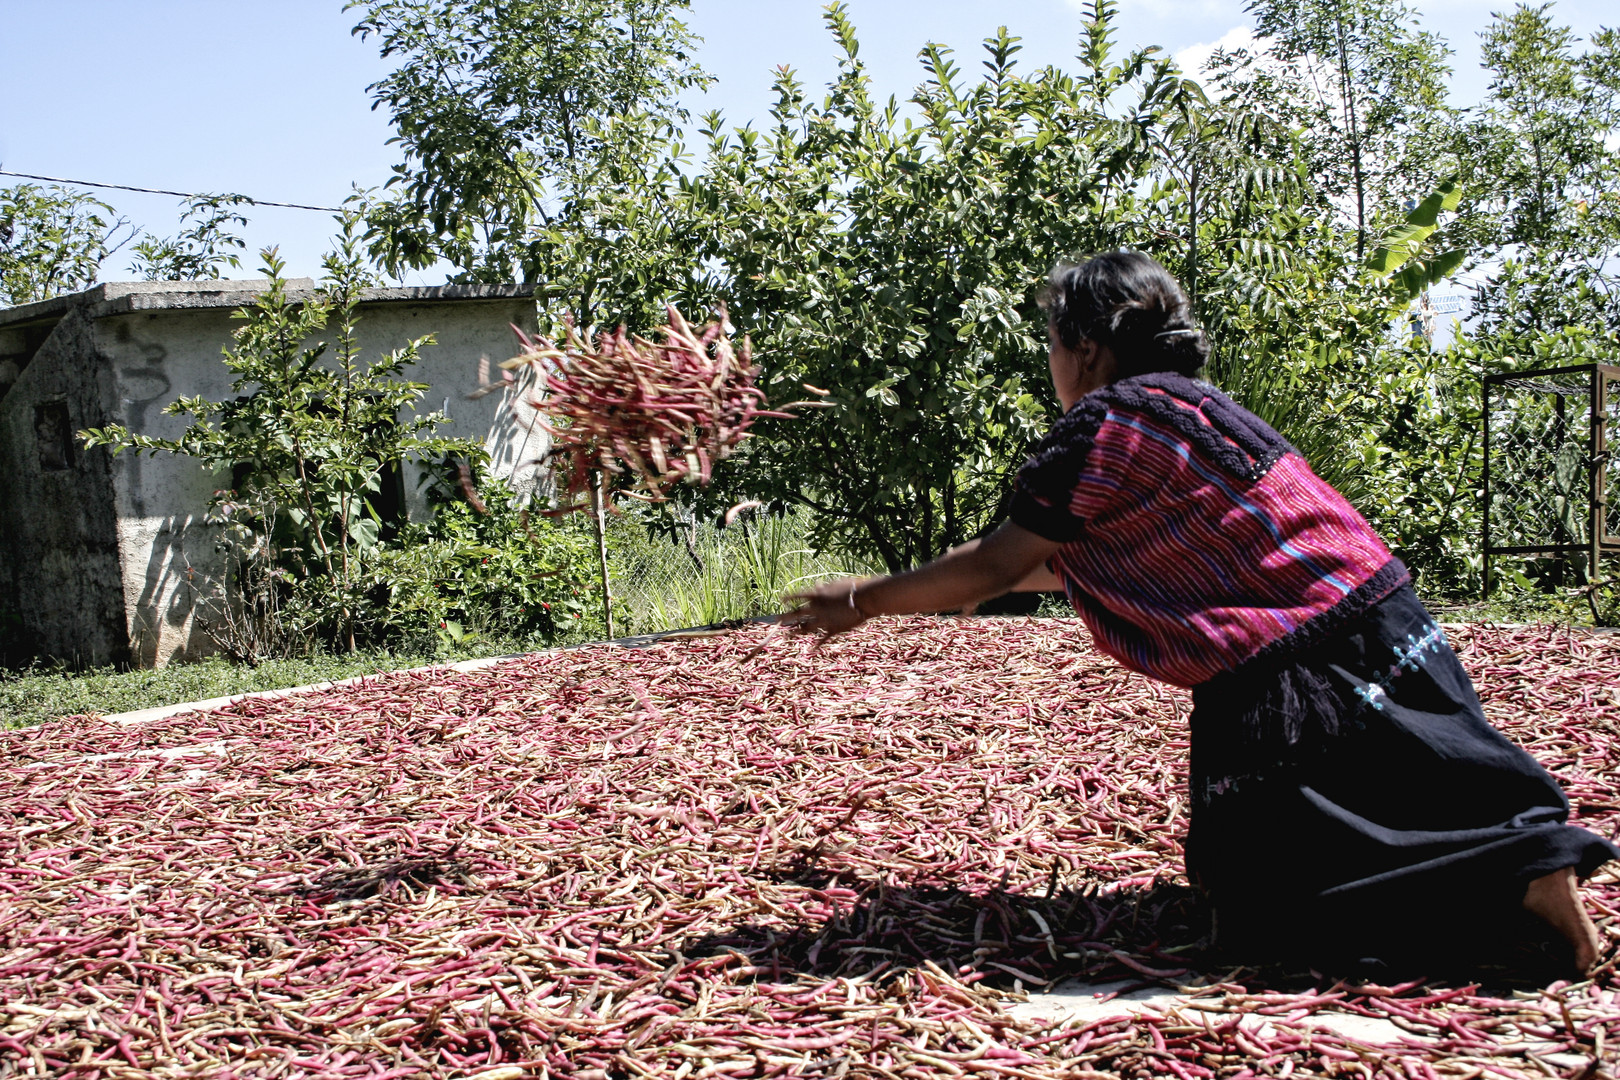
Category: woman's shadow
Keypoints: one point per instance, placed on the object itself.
(1127, 936)
(1152, 933)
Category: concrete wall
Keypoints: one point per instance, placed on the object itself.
(471, 340)
(62, 575)
(122, 564)
(172, 569)
(173, 572)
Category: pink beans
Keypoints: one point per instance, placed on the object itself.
(805, 863)
(659, 413)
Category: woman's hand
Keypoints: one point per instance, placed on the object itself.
(969, 574)
(826, 610)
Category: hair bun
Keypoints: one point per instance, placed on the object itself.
(1127, 301)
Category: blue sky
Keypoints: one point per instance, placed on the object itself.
(268, 97)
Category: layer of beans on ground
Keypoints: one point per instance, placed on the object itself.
(726, 856)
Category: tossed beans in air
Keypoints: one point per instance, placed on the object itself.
(658, 412)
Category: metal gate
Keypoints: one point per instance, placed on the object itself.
(1549, 487)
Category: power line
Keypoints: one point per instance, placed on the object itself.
(160, 191)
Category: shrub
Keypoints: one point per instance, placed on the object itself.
(498, 574)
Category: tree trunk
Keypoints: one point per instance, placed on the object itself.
(1192, 242)
(599, 518)
(1348, 89)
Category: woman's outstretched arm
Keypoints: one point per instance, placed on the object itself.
(977, 571)
(1040, 579)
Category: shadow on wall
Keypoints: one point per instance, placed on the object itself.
(517, 443)
(143, 389)
(184, 581)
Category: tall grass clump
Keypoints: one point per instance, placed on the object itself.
(672, 570)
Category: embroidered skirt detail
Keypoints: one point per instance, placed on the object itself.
(1352, 799)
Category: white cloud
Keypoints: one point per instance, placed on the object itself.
(1193, 58)
(1172, 9)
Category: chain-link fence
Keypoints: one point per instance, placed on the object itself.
(1552, 494)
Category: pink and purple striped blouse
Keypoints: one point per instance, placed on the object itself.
(1195, 538)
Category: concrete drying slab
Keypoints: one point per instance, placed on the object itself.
(1086, 1003)
(161, 712)
(1079, 1003)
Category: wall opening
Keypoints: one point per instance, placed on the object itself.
(53, 435)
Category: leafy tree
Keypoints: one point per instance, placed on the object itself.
(53, 241)
(1296, 321)
(1412, 424)
(627, 239)
(200, 252)
(515, 118)
(894, 264)
(1365, 89)
(1334, 139)
(1544, 159)
(890, 255)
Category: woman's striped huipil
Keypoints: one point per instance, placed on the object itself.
(1195, 538)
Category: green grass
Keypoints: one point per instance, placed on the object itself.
(1513, 602)
(1515, 609)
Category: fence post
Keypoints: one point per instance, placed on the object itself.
(1598, 472)
(1485, 486)
(599, 517)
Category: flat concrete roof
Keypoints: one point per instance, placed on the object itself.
(122, 297)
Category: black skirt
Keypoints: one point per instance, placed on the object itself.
(1351, 800)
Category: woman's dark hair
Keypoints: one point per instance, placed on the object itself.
(1131, 304)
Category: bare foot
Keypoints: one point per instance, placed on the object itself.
(1553, 897)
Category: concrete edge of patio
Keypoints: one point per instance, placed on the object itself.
(1078, 1003)
(163, 712)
